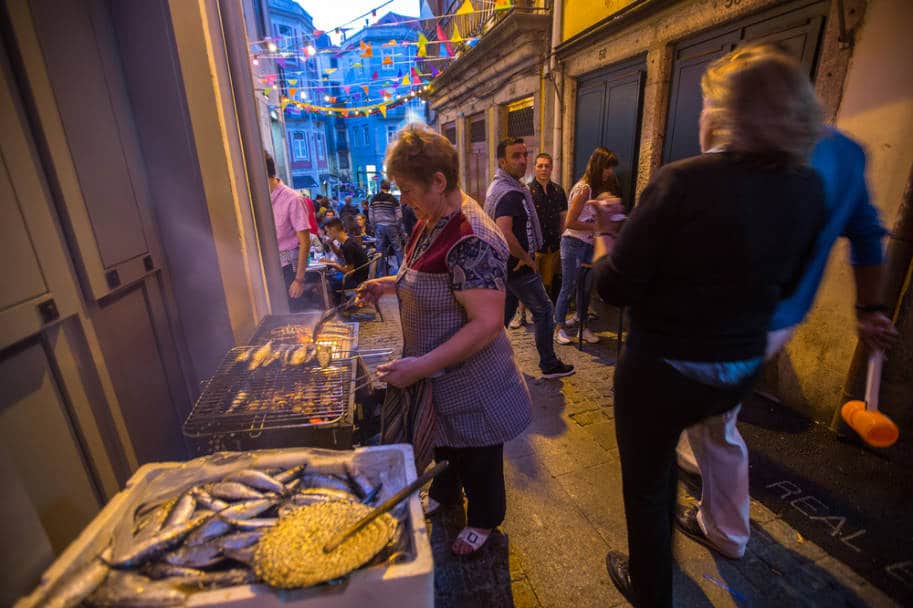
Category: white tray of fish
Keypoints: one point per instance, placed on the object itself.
(184, 534)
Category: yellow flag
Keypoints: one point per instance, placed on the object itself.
(501, 5)
(466, 8)
(383, 110)
(456, 38)
(406, 82)
(422, 46)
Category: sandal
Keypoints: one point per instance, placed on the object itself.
(474, 537)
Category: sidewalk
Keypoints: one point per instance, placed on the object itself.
(565, 513)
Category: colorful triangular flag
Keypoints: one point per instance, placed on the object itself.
(446, 49)
(457, 38)
(434, 71)
(292, 91)
(422, 46)
(388, 60)
(374, 76)
(501, 5)
(466, 8)
(367, 51)
(364, 88)
(406, 81)
(383, 110)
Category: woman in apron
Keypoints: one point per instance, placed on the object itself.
(462, 393)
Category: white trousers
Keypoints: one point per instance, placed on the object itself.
(715, 450)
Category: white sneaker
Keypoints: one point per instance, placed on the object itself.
(516, 322)
(561, 337)
(589, 336)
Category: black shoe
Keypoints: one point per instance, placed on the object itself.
(557, 370)
(686, 521)
(620, 573)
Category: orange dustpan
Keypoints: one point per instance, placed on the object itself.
(875, 428)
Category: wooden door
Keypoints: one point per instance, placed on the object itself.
(797, 30)
(609, 107)
(95, 160)
(477, 159)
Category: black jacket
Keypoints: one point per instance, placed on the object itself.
(714, 243)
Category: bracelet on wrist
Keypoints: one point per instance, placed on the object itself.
(870, 308)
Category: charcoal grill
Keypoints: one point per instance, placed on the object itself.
(276, 406)
(286, 329)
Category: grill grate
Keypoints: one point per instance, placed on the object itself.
(239, 400)
(296, 329)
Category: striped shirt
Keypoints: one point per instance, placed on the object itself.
(384, 209)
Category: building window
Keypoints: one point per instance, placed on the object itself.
(477, 131)
(300, 146)
(391, 133)
(449, 131)
(365, 136)
(387, 63)
(319, 147)
(520, 119)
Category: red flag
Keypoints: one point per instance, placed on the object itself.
(442, 37)
(415, 74)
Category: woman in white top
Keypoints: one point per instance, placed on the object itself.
(577, 238)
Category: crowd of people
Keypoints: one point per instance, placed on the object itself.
(717, 263)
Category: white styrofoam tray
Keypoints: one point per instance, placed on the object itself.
(407, 583)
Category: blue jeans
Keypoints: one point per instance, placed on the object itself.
(574, 252)
(389, 235)
(527, 287)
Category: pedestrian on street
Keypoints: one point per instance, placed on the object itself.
(510, 203)
(577, 239)
(451, 294)
(293, 234)
(714, 448)
(551, 207)
(386, 217)
(715, 243)
(352, 267)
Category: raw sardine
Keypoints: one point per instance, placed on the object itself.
(182, 510)
(213, 528)
(244, 555)
(141, 551)
(127, 590)
(205, 500)
(199, 556)
(253, 524)
(257, 480)
(318, 480)
(248, 509)
(239, 540)
(223, 578)
(232, 490)
(290, 474)
(161, 570)
(359, 483)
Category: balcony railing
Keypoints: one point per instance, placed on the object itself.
(483, 18)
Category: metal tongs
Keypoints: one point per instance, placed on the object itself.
(329, 314)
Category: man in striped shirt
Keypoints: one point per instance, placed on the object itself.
(386, 216)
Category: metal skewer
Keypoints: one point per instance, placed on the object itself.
(386, 506)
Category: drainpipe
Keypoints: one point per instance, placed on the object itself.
(555, 75)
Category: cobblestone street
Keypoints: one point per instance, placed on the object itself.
(565, 512)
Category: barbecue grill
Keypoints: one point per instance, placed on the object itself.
(273, 406)
(288, 329)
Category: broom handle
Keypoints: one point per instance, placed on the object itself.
(873, 380)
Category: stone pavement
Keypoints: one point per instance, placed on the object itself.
(565, 512)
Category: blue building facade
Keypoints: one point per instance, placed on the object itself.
(369, 80)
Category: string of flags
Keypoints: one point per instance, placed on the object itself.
(417, 77)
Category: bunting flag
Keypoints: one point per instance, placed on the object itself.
(330, 70)
(346, 88)
(391, 43)
(501, 5)
(318, 33)
(293, 81)
(457, 38)
(466, 8)
(446, 49)
(399, 74)
(364, 88)
(434, 71)
(374, 76)
(405, 81)
(388, 60)
(416, 76)
(292, 91)
(422, 46)
(366, 50)
(382, 110)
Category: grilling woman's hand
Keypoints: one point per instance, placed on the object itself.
(401, 373)
(370, 292)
